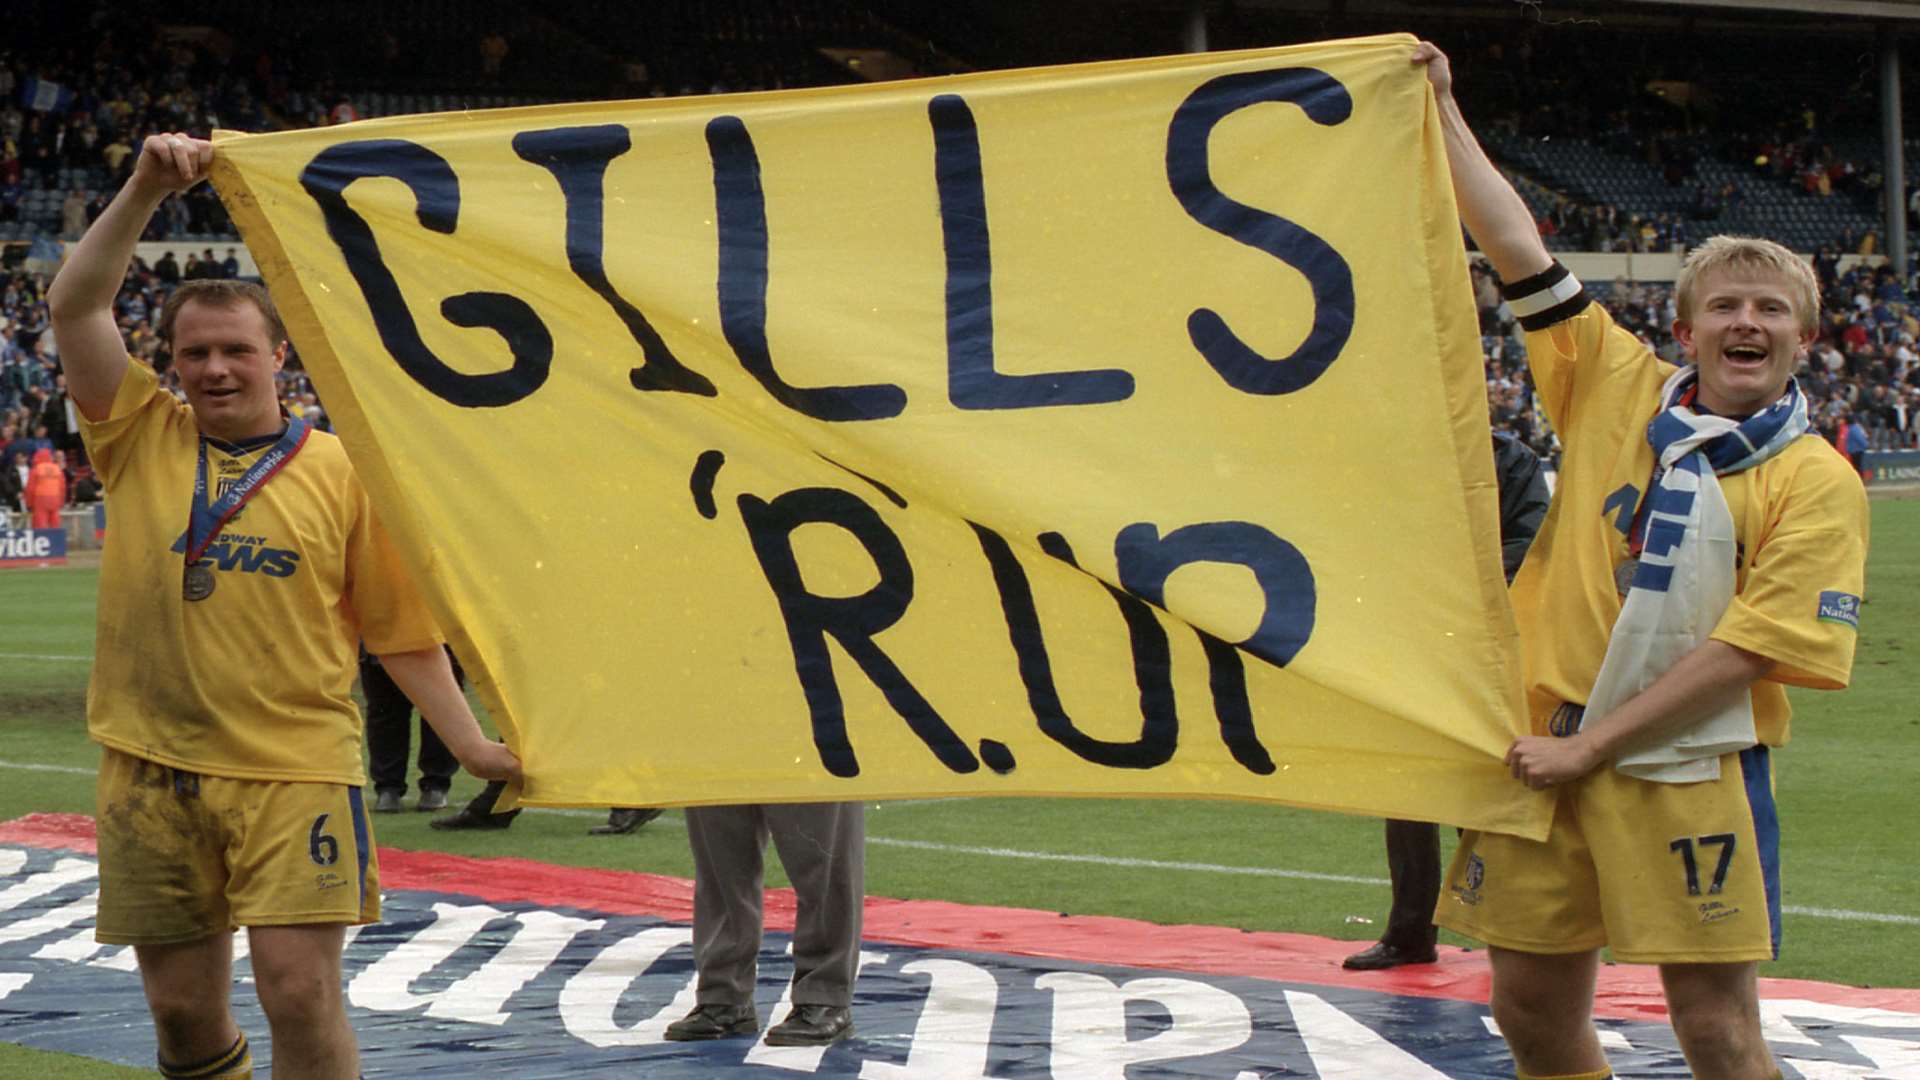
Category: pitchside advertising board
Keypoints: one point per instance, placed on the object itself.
(503, 967)
(33, 547)
(1890, 467)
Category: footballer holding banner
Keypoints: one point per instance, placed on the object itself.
(1703, 551)
(243, 569)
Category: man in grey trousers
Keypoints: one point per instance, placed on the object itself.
(823, 848)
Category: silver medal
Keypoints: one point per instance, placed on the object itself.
(198, 584)
(1623, 575)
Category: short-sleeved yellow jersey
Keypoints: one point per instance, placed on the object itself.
(254, 681)
(1800, 518)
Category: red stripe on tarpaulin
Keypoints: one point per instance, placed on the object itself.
(1626, 991)
(71, 832)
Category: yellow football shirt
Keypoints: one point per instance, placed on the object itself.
(254, 681)
(1800, 518)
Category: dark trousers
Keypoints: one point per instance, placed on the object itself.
(390, 731)
(483, 803)
(822, 846)
(1413, 861)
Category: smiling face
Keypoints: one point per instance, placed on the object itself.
(226, 359)
(1743, 330)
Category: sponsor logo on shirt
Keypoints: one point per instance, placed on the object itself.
(251, 555)
(1839, 607)
(238, 553)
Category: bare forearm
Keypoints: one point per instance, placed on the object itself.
(81, 299)
(1492, 210)
(1702, 682)
(426, 677)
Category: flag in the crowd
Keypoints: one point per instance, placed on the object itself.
(44, 255)
(1104, 430)
(44, 95)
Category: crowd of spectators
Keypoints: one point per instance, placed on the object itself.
(34, 412)
(1801, 158)
(71, 118)
(80, 96)
(1588, 226)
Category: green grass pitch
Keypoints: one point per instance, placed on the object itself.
(1847, 797)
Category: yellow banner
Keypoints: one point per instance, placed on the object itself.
(1111, 429)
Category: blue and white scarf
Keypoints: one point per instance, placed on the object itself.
(1686, 575)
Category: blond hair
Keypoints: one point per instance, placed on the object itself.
(1751, 255)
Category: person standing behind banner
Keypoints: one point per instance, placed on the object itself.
(46, 493)
(1855, 443)
(390, 735)
(1413, 847)
(823, 848)
(1701, 554)
(243, 568)
(479, 813)
(14, 474)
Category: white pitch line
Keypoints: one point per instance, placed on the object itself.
(1844, 915)
(1838, 914)
(1122, 861)
(45, 656)
(25, 767)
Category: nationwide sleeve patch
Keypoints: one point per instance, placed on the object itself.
(1839, 607)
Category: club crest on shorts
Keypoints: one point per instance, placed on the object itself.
(1468, 893)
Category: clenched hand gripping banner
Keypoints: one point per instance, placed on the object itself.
(1114, 429)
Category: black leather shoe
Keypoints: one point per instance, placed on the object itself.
(469, 818)
(812, 1025)
(622, 820)
(1382, 956)
(714, 1022)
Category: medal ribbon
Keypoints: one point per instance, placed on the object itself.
(206, 520)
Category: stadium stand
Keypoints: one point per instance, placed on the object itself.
(1669, 143)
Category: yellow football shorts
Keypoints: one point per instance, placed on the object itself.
(184, 856)
(1662, 873)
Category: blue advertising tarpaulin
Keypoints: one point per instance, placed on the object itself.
(505, 967)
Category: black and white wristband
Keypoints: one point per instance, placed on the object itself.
(1553, 295)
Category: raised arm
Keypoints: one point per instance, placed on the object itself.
(92, 353)
(1493, 212)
